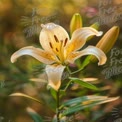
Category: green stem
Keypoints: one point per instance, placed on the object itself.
(76, 71)
(67, 85)
(57, 107)
(84, 64)
(68, 69)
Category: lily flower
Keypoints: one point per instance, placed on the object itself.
(58, 50)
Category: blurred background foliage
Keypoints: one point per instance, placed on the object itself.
(20, 22)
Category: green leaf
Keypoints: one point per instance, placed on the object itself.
(83, 83)
(53, 93)
(83, 99)
(62, 93)
(26, 96)
(84, 64)
(87, 104)
(86, 61)
(35, 116)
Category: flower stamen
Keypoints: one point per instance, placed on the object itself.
(56, 39)
(57, 50)
(65, 42)
(50, 45)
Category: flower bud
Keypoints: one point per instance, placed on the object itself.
(76, 22)
(109, 39)
(96, 25)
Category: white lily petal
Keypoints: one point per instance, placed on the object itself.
(90, 50)
(51, 35)
(54, 73)
(80, 37)
(37, 53)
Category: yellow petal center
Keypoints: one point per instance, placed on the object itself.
(58, 48)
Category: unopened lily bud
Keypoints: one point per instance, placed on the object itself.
(76, 22)
(109, 39)
(96, 25)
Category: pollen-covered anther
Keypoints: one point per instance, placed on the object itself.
(57, 50)
(65, 42)
(56, 39)
(50, 45)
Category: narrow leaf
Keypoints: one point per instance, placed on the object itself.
(26, 96)
(83, 65)
(83, 83)
(82, 106)
(35, 116)
(83, 99)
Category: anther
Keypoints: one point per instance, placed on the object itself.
(56, 39)
(57, 50)
(65, 42)
(51, 45)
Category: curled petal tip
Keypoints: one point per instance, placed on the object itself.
(100, 55)
(12, 59)
(100, 33)
(103, 60)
